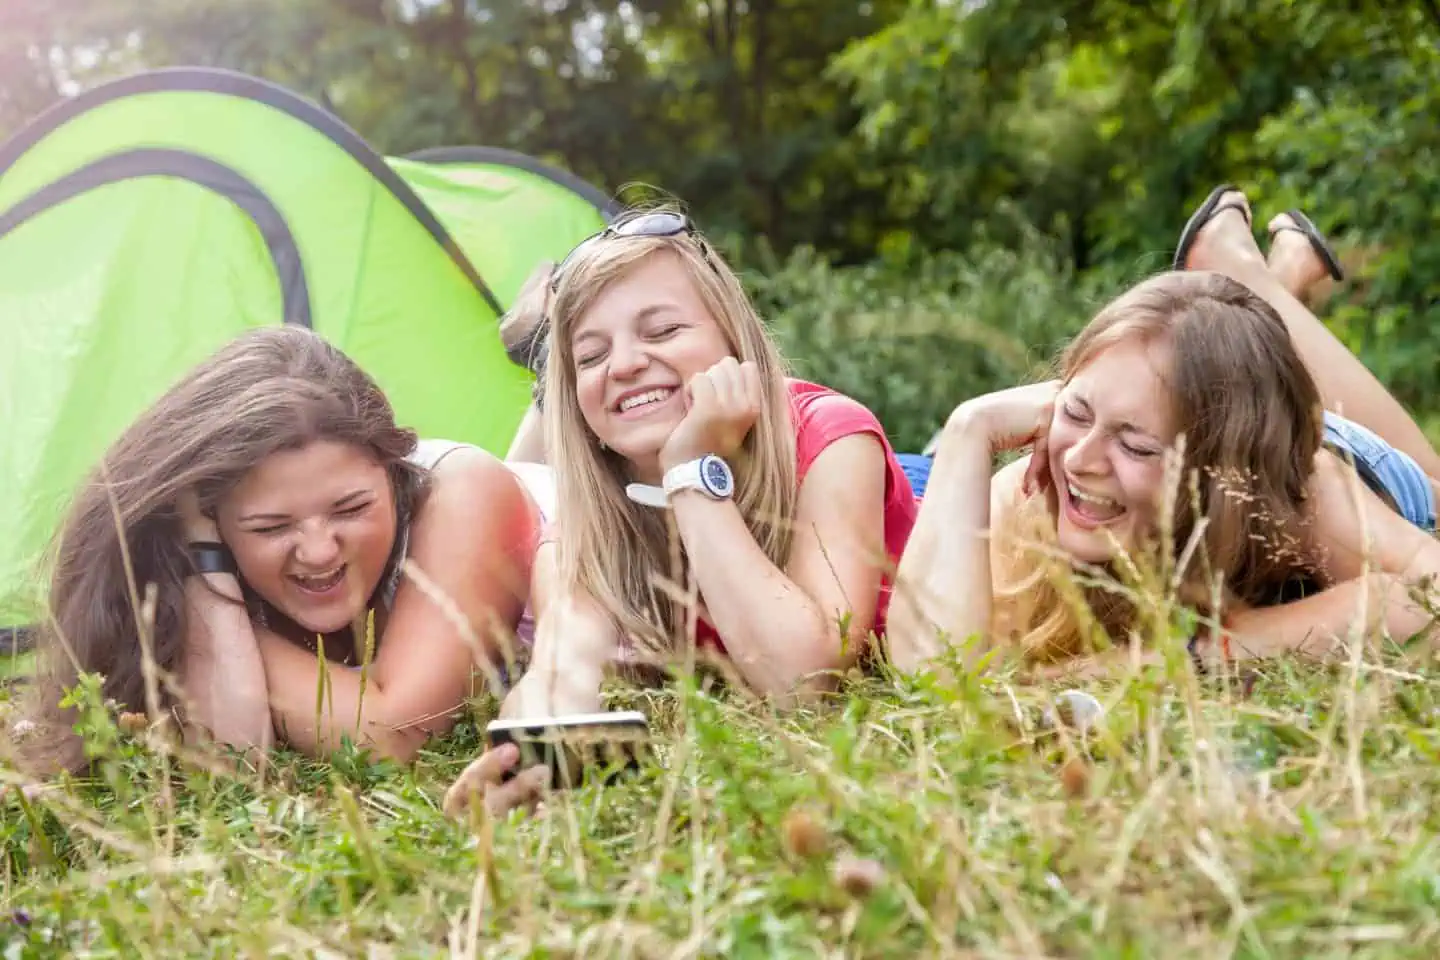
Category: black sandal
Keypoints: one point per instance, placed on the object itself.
(1318, 243)
(1202, 216)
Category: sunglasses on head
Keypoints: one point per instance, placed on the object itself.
(658, 224)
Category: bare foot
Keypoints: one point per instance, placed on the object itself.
(1225, 242)
(1293, 260)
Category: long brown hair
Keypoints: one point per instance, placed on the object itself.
(612, 548)
(1251, 418)
(268, 390)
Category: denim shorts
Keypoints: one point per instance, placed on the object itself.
(917, 471)
(1380, 465)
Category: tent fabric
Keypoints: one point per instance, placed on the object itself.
(284, 255)
(518, 189)
(146, 222)
(206, 122)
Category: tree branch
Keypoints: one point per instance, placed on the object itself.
(459, 35)
(1432, 7)
(712, 27)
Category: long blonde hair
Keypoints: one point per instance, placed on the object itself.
(1252, 421)
(620, 553)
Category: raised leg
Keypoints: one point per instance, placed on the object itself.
(1226, 245)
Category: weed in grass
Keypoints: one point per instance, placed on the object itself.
(1293, 814)
(924, 826)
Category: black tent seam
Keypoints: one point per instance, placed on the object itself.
(605, 206)
(234, 84)
(202, 171)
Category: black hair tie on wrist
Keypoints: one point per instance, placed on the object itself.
(209, 556)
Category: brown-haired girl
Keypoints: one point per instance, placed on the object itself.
(1276, 542)
(273, 502)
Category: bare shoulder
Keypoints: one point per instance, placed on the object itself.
(471, 489)
(843, 464)
(1335, 501)
(1006, 485)
(1356, 532)
(467, 465)
(469, 476)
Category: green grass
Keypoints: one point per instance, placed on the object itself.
(1298, 818)
(15, 665)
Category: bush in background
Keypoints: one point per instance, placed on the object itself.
(1364, 167)
(911, 338)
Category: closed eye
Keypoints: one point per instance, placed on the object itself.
(664, 331)
(1143, 453)
(589, 359)
(272, 529)
(354, 511)
(1074, 415)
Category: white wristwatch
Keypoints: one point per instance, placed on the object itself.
(709, 474)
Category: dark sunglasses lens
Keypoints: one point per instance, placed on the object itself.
(662, 224)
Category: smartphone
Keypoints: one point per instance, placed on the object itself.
(578, 748)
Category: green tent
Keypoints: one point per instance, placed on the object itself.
(145, 222)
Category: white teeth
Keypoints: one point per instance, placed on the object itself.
(1078, 494)
(324, 579)
(649, 396)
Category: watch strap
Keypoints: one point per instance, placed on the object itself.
(682, 476)
(647, 495)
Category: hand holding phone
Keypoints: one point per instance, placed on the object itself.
(576, 748)
(528, 756)
(493, 779)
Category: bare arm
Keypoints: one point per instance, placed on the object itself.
(784, 626)
(221, 672)
(574, 645)
(528, 445)
(474, 540)
(944, 588)
(1379, 560)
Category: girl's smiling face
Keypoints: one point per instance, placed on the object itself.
(635, 349)
(1108, 436)
(312, 530)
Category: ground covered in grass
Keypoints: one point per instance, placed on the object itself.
(1293, 813)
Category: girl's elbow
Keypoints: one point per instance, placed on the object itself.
(810, 688)
(812, 677)
(384, 742)
(244, 738)
(904, 651)
(402, 748)
(779, 682)
(1407, 607)
(394, 734)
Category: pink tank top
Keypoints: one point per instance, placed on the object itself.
(821, 417)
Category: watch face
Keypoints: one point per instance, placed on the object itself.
(715, 474)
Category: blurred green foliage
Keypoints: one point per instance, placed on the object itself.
(928, 194)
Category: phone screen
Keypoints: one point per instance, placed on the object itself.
(576, 751)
